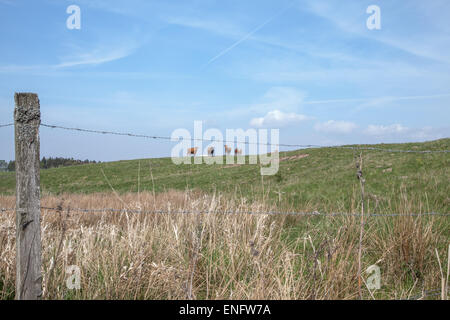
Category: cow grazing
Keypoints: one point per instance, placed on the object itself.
(237, 151)
(227, 149)
(211, 151)
(192, 151)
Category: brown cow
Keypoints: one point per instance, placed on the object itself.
(192, 151)
(227, 149)
(211, 151)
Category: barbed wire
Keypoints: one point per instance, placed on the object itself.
(313, 213)
(176, 140)
(425, 294)
(105, 132)
(51, 126)
(243, 142)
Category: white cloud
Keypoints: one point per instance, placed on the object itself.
(79, 55)
(429, 133)
(333, 126)
(381, 130)
(346, 16)
(97, 56)
(286, 99)
(278, 118)
(400, 133)
(377, 133)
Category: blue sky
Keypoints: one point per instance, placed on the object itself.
(310, 68)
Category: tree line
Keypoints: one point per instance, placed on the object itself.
(47, 163)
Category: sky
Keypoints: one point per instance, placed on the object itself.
(310, 68)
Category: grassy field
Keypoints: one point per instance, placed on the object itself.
(224, 256)
(241, 256)
(324, 180)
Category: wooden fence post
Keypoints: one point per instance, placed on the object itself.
(27, 118)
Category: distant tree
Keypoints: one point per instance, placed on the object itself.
(44, 163)
(50, 162)
(3, 165)
(12, 165)
(47, 163)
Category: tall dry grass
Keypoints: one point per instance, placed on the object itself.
(219, 255)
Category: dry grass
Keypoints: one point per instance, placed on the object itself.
(221, 256)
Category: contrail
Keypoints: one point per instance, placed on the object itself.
(420, 97)
(393, 98)
(247, 35)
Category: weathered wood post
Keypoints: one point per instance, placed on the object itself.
(27, 118)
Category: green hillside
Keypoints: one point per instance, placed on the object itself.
(321, 179)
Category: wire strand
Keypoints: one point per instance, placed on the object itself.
(243, 142)
(238, 142)
(314, 213)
